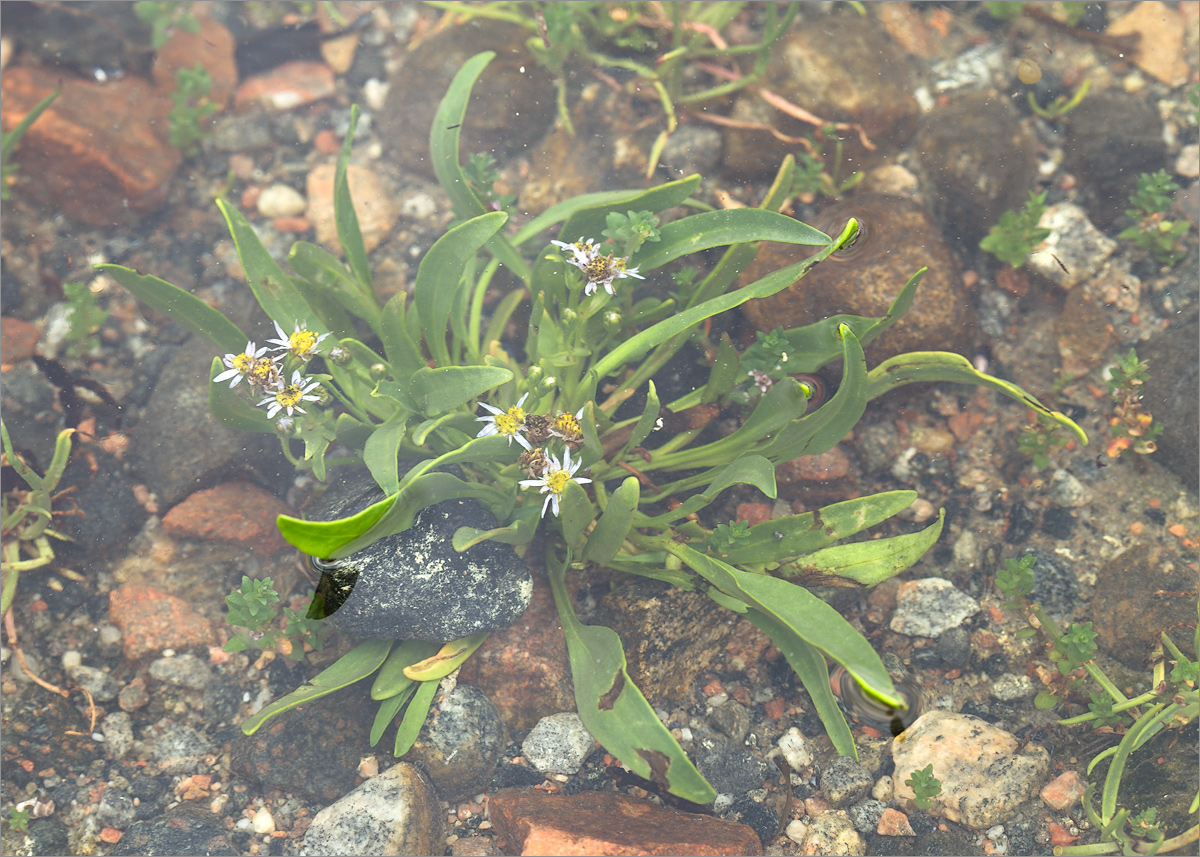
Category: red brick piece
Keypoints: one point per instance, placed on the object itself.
(96, 154)
(233, 513)
(17, 340)
(528, 821)
(151, 620)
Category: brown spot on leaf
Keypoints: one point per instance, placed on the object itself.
(609, 699)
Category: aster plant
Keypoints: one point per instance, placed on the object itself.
(602, 472)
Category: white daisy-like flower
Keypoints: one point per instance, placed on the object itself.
(290, 396)
(507, 424)
(600, 269)
(302, 344)
(250, 364)
(554, 479)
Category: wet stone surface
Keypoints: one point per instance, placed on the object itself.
(413, 585)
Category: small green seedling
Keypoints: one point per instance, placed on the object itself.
(629, 231)
(1151, 231)
(251, 606)
(8, 142)
(1015, 580)
(481, 172)
(1132, 427)
(192, 106)
(1039, 440)
(84, 318)
(1017, 234)
(727, 537)
(925, 787)
(1061, 105)
(164, 16)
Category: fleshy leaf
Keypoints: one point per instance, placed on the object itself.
(871, 562)
(436, 391)
(614, 525)
(615, 711)
(446, 660)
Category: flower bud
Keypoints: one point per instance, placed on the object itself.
(569, 317)
(548, 383)
(285, 425)
(339, 355)
(534, 376)
(378, 371)
(612, 321)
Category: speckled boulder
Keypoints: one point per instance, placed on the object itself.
(984, 772)
(863, 79)
(899, 238)
(413, 585)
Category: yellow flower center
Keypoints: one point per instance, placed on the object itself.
(557, 482)
(289, 396)
(260, 370)
(599, 268)
(511, 421)
(565, 424)
(302, 343)
(243, 363)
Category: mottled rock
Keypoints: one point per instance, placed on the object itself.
(187, 831)
(183, 671)
(413, 584)
(983, 771)
(981, 161)
(99, 152)
(926, 608)
(1160, 46)
(1063, 790)
(180, 750)
(864, 81)
(1074, 250)
(833, 833)
(1130, 608)
(1174, 366)
(558, 744)
(1113, 138)
(396, 812)
(460, 743)
(729, 768)
(899, 238)
(117, 729)
(511, 106)
(669, 635)
(374, 205)
(1083, 334)
(845, 781)
(529, 821)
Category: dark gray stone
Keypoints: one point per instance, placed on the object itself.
(414, 585)
(191, 449)
(181, 750)
(1175, 366)
(729, 768)
(185, 831)
(116, 809)
(460, 743)
(866, 814)
(845, 781)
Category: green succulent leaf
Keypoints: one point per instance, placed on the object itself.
(871, 562)
(614, 525)
(436, 391)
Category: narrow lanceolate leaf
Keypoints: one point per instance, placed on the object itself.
(921, 367)
(273, 288)
(803, 613)
(436, 391)
(391, 680)
(183, 308)
(449, 658)
(354, 666)
(615, 711)
(868, 563)
(439, 277)
(605, 540)
(381, 454)
(813, 672)
(796, 535)
(414, 717)
(346, 220)
(728, 226)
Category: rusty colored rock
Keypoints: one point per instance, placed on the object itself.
(1084, 335)
(99, 153)
(212, 47)
(285, 87)
(151, 620)
(899, 237)
(831, 84)
(234, 513)
(17, 340)
(528, 821)
(523, 670)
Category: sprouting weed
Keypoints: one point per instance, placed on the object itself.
(1015, 580)
(1017, 234)
(726, 537)
(1152, 231)
(925, 786)
(631, 230)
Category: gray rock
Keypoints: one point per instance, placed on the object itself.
(117, 729)
(845, 781)
(732, 719)
(396, 812)
(1067, 491)
(186, 831)
(1009, 687)
(865, 815)
(690, 150)
(730, 768)
(413, 584)
(926, 608)
(460, 743)
(116, 809)
(954, 647)
(183, 671)
(102, 686)
(1174, 366)
(1080, 246)
(180, 750)
(558, 744)
(833, 833)
(191, 448)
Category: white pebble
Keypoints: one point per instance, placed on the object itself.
(795, 750)
(110, 635)
(797, 831)
(263, 822)
(280, 200)
(71, 659)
